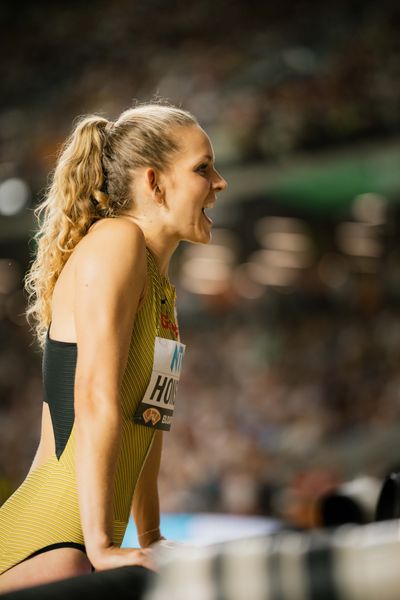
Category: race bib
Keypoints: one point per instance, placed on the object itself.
(157, 406)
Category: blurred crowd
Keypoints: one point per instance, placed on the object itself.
(265, 80)
(280, 405)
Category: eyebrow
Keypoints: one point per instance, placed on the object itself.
(208, 156)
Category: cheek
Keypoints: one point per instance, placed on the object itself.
(200, 184)
(193, 196)
(189, 198)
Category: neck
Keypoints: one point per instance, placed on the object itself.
(162, 249)
(159, 243)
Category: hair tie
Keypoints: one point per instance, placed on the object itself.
(108, 127)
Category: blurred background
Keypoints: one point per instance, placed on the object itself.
(291, 380)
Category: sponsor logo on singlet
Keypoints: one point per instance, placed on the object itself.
(157, 406)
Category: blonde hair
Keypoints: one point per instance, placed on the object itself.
(92, 180)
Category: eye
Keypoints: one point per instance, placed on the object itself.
(202, 167)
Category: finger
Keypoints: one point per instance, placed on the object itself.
(149, 564)
(143, 558)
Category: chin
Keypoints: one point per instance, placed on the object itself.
(201, 238)
(204, 239)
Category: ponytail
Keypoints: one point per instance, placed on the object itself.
(74, 200)
(79, 176)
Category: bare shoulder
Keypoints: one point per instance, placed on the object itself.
(110, 240)
(111, 263)
(118, 230)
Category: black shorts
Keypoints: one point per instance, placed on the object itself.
(58, 545)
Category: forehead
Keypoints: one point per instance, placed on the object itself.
(195, 143)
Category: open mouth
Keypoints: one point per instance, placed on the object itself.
(207, 218)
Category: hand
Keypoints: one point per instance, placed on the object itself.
(113, 557)
(164, 543)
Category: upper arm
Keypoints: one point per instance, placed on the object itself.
(109, 279)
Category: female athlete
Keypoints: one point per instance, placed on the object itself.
(122, 197)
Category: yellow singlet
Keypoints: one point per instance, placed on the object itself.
(43, 513)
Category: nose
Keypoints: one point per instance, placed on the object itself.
(220, 184)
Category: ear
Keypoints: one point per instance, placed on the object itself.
(155, 186)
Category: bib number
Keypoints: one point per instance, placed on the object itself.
(156, 409)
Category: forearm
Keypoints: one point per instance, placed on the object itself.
(98, 432)
(146, 505)
(146, 513)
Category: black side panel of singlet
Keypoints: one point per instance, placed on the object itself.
(58, 370)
